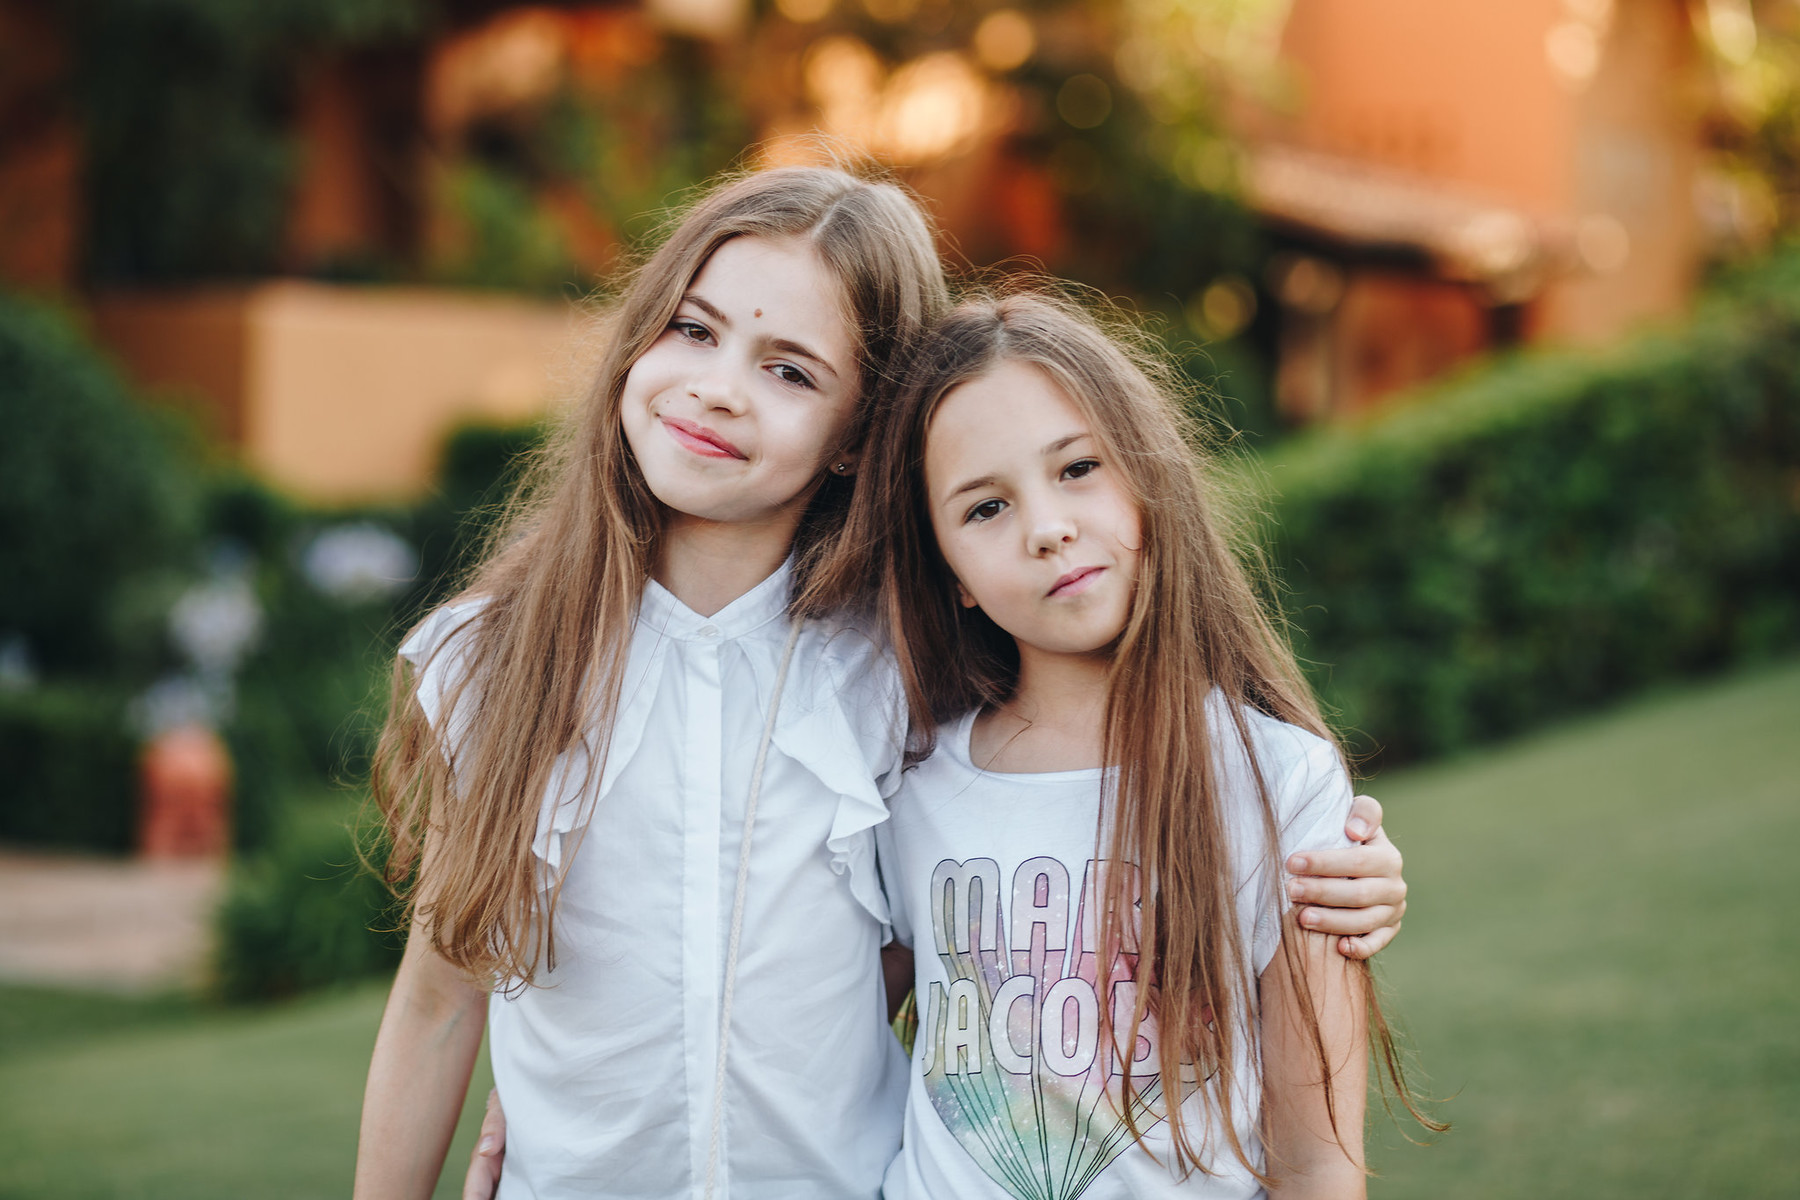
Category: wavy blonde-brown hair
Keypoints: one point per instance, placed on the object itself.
(561, 579)
(1196, 625)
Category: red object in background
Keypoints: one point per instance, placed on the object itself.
(184, 795)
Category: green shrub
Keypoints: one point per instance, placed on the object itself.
(94, 498)
(70, 767)
(1552, 532)
(303, 913)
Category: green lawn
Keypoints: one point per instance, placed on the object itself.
(1600, 971)
(161, 1100)
(1601, 965)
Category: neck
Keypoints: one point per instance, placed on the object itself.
(708, 564)
(1055, 719)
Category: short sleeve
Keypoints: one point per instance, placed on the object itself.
(1311, 793)
(438, 651)
(887, 861)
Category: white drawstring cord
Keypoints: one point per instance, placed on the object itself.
(737, 912)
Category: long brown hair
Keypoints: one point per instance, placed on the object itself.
(561, 579)
(1196, 626)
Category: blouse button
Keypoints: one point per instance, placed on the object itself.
(709, 631)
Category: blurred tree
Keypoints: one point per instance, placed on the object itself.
(1755, 49)
(96, 501)
(187, 106)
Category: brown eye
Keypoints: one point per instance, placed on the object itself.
(693, 331)
(987, 510)
(789, 373)
(1081, 467)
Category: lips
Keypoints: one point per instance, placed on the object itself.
(699, 439)
(1075, 582)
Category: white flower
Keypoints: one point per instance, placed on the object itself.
(215, 623)
(359, 562)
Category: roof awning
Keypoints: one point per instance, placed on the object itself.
(1466, 237)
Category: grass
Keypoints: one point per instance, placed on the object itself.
(1599, 964)
(142, 1100)
(1599, 970)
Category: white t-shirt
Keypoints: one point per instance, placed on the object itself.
(993, 880)
(606, 1065)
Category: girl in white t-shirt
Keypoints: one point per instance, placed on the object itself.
(1087, 867)
(637, 763)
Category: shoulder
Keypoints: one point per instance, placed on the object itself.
(439, 649)
(1302, 771)
(449, 627)
(846, 659)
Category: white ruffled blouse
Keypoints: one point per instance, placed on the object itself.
(606, 1064)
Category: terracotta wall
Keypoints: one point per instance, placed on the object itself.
(341, 393)
(1456, 90)
(1582, 114)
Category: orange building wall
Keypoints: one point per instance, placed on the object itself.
(343, 394)
(1458, 90)
(1469, 94)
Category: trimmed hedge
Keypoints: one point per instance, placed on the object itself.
(1552, 532)
(303, 913)
(71, 767)
(94, 497)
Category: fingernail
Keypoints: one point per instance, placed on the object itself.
(485, 1145)
(1359, 829)
(1297, 863)
(1309, 917)
(1296, 890)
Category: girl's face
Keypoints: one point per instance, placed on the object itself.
(736, 409)
(1036, 524)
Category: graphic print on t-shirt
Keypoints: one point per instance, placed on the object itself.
(1014, 1062)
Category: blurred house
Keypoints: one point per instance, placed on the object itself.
(1457, 175)
(1441, 177)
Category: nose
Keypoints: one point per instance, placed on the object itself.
(1051, 528)
(718, 386)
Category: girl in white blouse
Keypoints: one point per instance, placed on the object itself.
(634, 768)
(1088, 865)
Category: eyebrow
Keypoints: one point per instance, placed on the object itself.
(785, 345)
(1062, 443)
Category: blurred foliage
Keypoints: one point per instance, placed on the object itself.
(188, 106)
(1755, 55)
(71, 766)
(303, 912)
(1553, 532)
(97, 508)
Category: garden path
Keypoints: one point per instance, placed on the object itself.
(119, 924)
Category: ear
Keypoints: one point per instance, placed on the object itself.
(963, 597)
(844, 463)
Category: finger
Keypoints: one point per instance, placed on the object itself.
(1368, 945)
(493, 1122)
(1334, 892)
(1378, 857)
(483, 1178)
(1365, 818)
(1356, 922)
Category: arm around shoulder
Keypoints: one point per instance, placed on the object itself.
(1312, 1117)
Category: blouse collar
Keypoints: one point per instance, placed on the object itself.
(768, 600)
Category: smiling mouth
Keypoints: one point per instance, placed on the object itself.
(699, 439)
(1075, 582)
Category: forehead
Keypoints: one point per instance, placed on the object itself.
(1013, 409)
(775, 285)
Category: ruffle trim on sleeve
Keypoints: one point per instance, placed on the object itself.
(571, 794)
(838, 719)
(438, 651)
